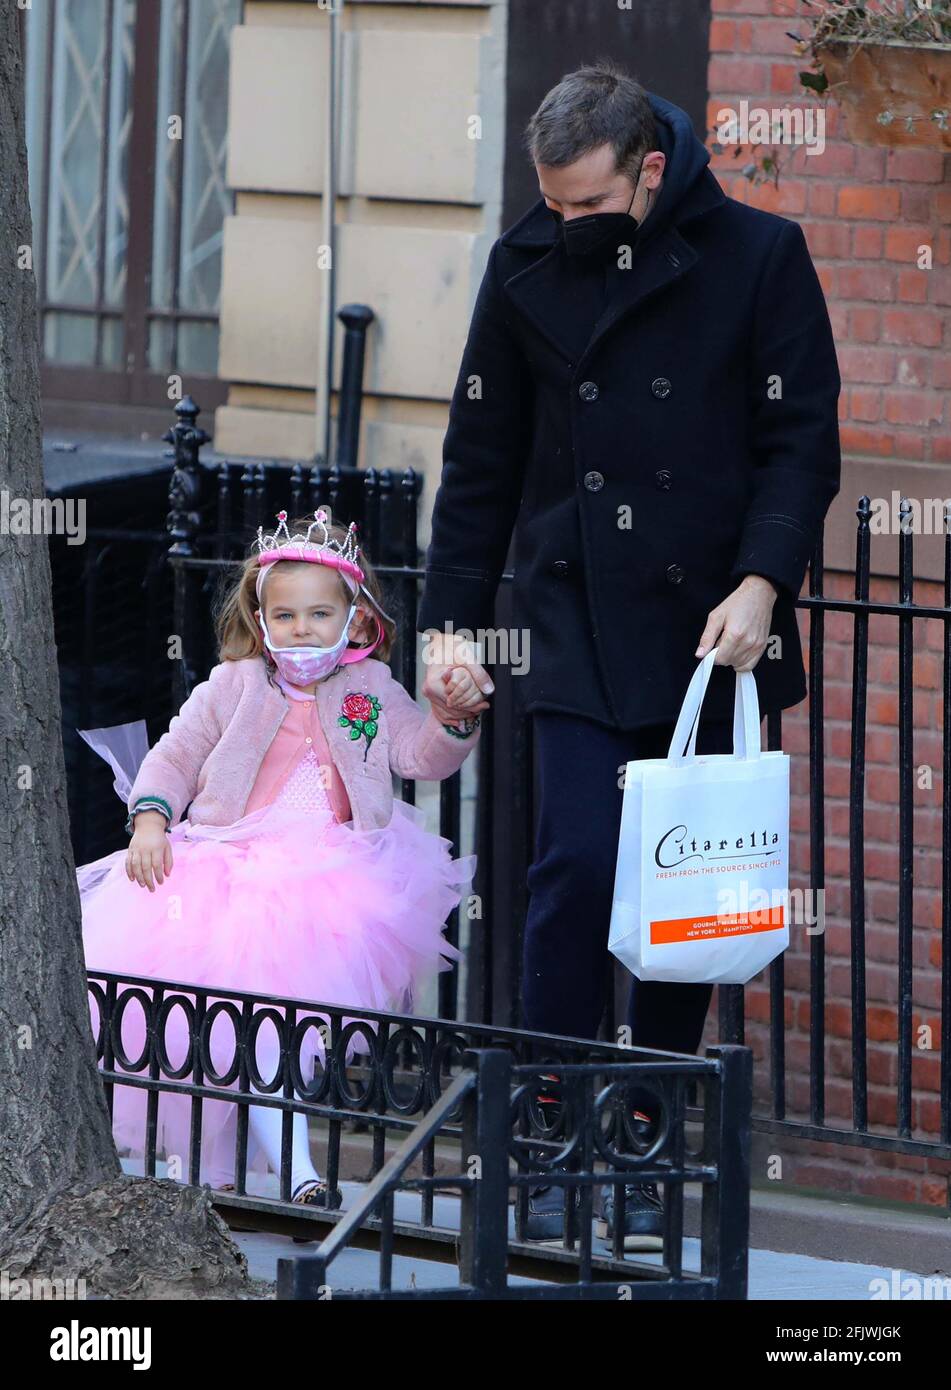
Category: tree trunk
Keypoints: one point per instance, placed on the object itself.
(66, 1209)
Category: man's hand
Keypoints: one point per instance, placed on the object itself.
(462, 695)
(740, 624)
(451, 700)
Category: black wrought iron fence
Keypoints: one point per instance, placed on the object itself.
(474, 1091)
(910, 616)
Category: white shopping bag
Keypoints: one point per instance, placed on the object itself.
(701, 890)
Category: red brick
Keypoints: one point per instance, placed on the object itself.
(835, 161)
(822, 199)
(915, 166)
(881, 1185)
(831, 239)
(865, 325)
(869, 203)
(935, 1192)
(912, 286)
(789, 197)
(927, 1117)
(723, 34)
(864, 405)
(916, 204)
(919, 326)
(823, 1177)
(913, 408)
(902, 243)
(770, 36)
(731, 74)
(867, 364)
(914, 369)
(939, 285)
(740, 7)
(866, 242)
(865, 282)
(940, 372)
(910, 445)
(783, 80)
(881, 1025)
(869, 164)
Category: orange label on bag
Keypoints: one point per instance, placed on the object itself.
(722, 924)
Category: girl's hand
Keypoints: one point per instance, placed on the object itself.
(461, 693)
(443, 652)
(150, 850)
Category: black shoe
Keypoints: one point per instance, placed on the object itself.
(546, 1213)
(546, 1203)
(315, 1194)
(643, 1216)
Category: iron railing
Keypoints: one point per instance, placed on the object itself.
(479, 1093)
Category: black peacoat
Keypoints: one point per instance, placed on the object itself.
(652, 434)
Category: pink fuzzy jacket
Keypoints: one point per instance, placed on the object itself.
(214, 746)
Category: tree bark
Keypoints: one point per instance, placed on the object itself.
(66, 1209)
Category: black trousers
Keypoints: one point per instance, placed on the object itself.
(571, 886)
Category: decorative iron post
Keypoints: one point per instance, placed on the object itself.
(486, 1135)
(184, 519)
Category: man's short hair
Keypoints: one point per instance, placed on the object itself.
(598, 104)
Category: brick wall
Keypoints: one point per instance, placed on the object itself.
(865, 211)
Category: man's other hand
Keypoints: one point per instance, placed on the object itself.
(740, 624)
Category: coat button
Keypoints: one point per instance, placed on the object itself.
(559, 568)
(588, 391)
(663, 478)
(675, 573)
(594, 482)
(660, 387)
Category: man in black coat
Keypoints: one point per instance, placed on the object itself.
(648, 397)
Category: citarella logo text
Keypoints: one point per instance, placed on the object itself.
(674, 848)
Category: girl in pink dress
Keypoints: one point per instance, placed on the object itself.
(297, 872)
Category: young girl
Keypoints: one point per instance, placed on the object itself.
(297, 872)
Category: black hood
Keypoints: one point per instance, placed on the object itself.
(687, 160)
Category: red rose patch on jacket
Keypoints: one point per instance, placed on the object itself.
(361, 712)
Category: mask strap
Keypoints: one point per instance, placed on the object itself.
(358, 653)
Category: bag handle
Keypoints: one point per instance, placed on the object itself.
(746, 716)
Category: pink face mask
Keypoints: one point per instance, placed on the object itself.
(304, 665)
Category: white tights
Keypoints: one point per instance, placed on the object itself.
(264, 1125)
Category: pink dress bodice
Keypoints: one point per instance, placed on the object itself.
(297, 769)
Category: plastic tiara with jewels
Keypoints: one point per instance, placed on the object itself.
(281, 545)
(342, 556)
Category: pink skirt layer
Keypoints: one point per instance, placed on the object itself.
(280, 903)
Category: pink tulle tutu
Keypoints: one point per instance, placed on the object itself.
(285, 902)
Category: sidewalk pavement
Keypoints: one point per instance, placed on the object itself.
(773, 1275)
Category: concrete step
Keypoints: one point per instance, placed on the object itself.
(801, 1248)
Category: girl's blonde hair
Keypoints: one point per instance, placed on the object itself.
(238, 632)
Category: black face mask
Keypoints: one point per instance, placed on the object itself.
(599, 232)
